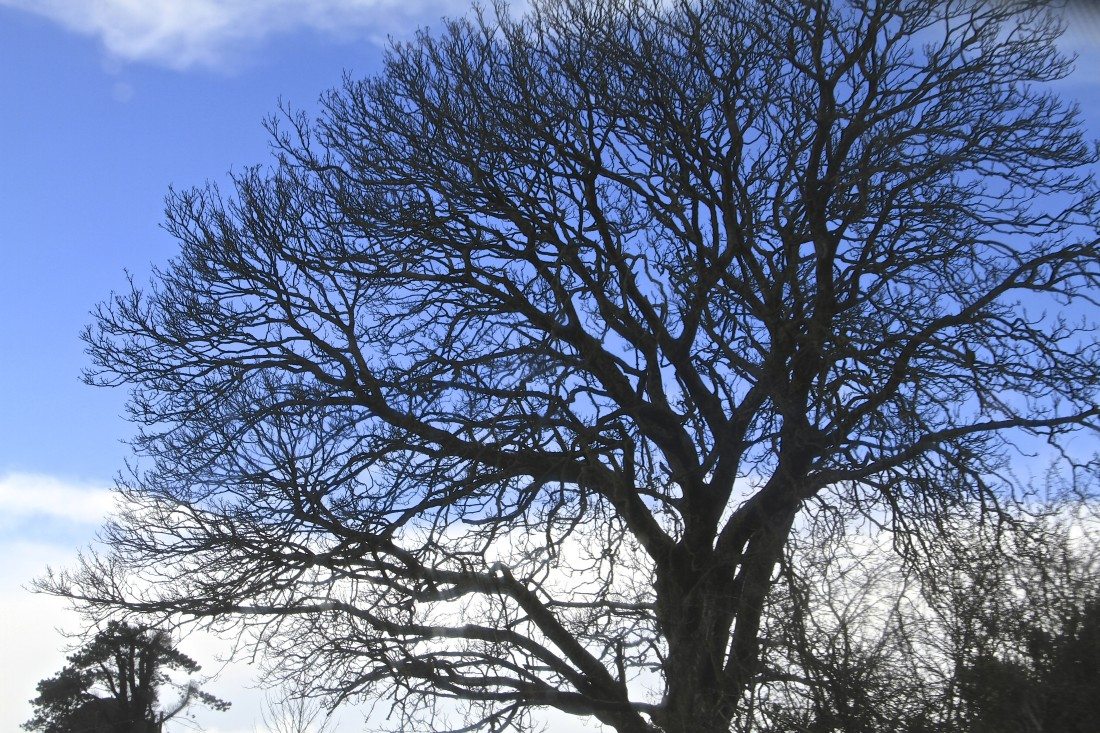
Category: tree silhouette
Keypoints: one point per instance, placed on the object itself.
(289, 712)
(505, 386)
(997, 633)
(112, 685)
(1029, 657)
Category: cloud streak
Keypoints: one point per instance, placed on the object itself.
(27, 497)
(182, 34)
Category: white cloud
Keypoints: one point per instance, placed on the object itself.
(30, 647)
(186, 33)
(26, 497)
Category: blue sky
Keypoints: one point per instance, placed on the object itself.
(106, 103)
(90, 142)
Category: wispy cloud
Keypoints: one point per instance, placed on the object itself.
(27, 497)
(213, 33)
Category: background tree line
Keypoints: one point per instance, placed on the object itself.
(997, 630)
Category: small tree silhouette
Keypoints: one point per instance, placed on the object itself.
(113, 684)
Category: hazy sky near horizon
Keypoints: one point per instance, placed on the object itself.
(106, 104)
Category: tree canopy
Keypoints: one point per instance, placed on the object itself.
(509, 381)
(113, 684)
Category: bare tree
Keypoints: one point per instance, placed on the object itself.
(293, 712)
(846, 640)
(505, 385)
(991, 635)
(1018, 633)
